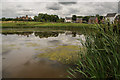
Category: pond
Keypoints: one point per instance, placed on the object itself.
(39, 53)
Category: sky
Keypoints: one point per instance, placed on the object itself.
(62, 8)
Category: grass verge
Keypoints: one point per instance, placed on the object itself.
(42, 24)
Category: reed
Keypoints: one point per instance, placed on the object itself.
(102, 58)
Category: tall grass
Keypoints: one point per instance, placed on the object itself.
(102, 59)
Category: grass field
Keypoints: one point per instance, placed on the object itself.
(43, 24)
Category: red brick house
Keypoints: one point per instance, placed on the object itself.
(93, 20)
(24, 18)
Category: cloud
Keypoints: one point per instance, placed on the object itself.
(60, 0)
(67, 3)
(19, 6)
(119, 6)
(8, 12)
(26, 13)
(73, 11)
(28, 10)
(53, 6)
(13, 9)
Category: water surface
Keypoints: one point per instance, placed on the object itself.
(39, 54)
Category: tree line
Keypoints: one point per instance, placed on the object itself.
(48, 18)
(53, 18)
(13, 19)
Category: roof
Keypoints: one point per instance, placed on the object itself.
(92, 18)
(111, 14)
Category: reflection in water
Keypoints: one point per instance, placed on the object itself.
(18, 33)
(46, 34)
(33, 54)
(40, 34)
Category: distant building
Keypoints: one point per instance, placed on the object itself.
(78, 20)
(93, 20)
(68, 19)
(24, 18)
(111, 17)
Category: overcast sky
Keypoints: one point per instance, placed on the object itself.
(14, 8)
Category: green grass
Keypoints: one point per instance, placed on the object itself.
(43, 24)
(102, 59)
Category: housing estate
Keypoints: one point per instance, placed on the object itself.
(93, 20)
(69, 19)
(24, 18)
(109, 18)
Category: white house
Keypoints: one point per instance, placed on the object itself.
(111, 17)
(68, 19)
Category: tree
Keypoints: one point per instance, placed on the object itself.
(101, 17)
(86, 18)
(74, 17)
(97, 15)
(3, 19)
(46, 18)
(79, 17)
(61, 20)
(35, 18)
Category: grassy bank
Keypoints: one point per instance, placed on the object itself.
(42, 24)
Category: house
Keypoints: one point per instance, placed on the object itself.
(78, 20)
(93, 20)
(68, 19)
(110, 17)
(24, 18)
